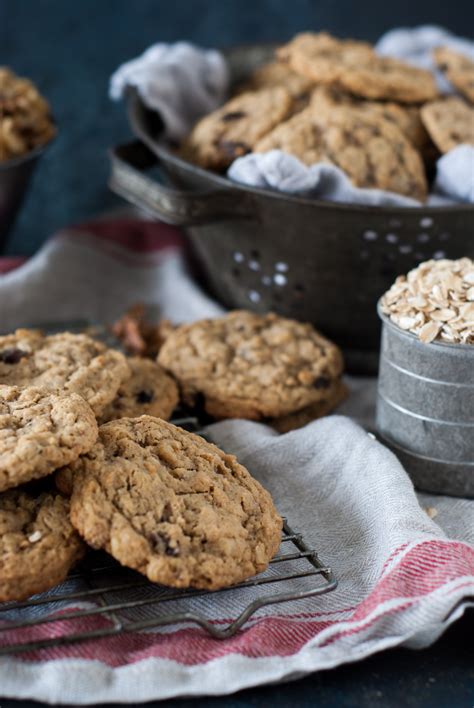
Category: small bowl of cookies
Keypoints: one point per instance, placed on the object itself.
(26, 128)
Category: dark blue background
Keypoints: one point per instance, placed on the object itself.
(70, 50)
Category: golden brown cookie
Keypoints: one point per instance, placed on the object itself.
(148, 390)
(450, 122)
(172, 506)
(70, 363)
(335, 395)
(246, 365)
(356, 67)
(321, 57)
(276, 73)
(369, 149)
(232, 130)
(458, 69)
(38, 544)
(41, 431)
(384, 78)
(406, 118)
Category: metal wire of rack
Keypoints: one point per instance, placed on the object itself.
(99, 588)
(101, 578)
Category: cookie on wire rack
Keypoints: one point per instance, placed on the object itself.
(246, 365)
(148, 390)
(41, 431)
(65, 362)
(172, 506)
(38, 545)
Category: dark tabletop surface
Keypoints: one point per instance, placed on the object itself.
(70, 50)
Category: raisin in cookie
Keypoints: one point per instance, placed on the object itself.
(38, 544)
(148, 390)
(371, 150)
(172, 506)
(458, 69)
(356, 67)
(450, 122)
(72, 363)
(232, 131)
(252, 366)
(41, 431)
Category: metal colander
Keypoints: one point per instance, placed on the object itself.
(315, 261)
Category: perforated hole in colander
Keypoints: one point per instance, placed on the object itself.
(280, 279)
(254, 296)
(370, 235)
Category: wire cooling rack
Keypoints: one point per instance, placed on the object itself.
(101, 592)
(103, 581)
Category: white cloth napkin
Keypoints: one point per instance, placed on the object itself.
(183, 83)
(403, 578)
(179, 81)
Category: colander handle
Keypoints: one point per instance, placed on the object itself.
(173, 206)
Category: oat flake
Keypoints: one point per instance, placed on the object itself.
(434, 301)
(35, 537)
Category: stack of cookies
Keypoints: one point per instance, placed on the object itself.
(322, 99)
(87, 457)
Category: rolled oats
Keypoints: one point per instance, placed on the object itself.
(25, 119)
(434, 301)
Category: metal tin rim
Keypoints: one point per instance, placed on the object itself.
(31, 155)
(413, 337)
(419, 456)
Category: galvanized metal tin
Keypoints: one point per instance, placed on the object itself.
(425, 409)
(15, 176)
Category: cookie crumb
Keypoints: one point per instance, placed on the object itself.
(138, 336)
(432, 511)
